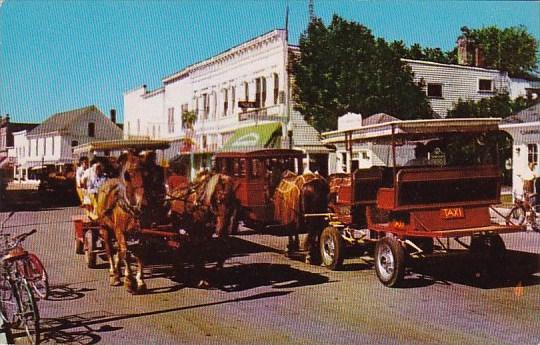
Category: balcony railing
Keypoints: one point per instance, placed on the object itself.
(271, 113)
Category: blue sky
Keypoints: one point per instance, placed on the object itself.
(60, 55)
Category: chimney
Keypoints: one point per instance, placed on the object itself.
(113, 115)
(464, 46)
(479, 57)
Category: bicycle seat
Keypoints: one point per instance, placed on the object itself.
(14, 254)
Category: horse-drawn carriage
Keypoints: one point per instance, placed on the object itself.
(87, 231)
(135, 209)
(273, 192)
(256, 175)
(410, 207)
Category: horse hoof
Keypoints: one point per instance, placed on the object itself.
(130, 286)
(114, 281)
(141, 288)
(203, 284)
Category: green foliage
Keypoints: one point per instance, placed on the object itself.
(188, 119)
(497, 106)
(511, 49)
(416, 52)
(344, 68)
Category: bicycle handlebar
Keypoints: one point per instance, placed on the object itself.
(15, 241)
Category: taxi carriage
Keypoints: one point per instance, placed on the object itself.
(256, 175)
(87, 235)
(413, 210)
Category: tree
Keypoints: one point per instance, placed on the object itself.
(512, 49)
(343, 68)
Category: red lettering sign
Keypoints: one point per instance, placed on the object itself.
(454, 212)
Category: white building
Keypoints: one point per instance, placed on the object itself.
(445, 84)
(51, 142)
(524, 128)
(253, 72)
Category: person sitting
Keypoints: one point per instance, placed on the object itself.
(83, 165)
(95, 180)
(420, 156)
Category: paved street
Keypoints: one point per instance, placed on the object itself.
(262, 297)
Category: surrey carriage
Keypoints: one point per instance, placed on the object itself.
(410, 206)
(87, 235)
(135, 208)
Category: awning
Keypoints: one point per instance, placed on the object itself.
(259, 136)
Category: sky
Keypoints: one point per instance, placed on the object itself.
(61, 55)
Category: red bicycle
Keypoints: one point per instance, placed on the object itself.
(28, 264)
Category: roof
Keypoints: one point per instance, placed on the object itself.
(252, 137)
(414, 129)
(121, 144)
(531, 114)
(305, 136)
(378, 118)
(62, 121)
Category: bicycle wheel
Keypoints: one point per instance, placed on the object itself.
(8, 296)
(516, 216)
(28, 311)
(37, 276)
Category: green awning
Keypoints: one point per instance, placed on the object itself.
(259, 136)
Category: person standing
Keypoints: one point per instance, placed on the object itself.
(95, 180)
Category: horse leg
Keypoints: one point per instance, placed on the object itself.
(123, 257)
(293, 244)
(141, 285)
(114, 277)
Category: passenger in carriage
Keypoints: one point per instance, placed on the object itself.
(96, 178)
(83, 165)
(420, 156)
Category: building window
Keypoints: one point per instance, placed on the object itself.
(485, 85)
(233, 97)
(138, 126)
(44, 146)
(29, 148)
(533, 153)
(170, 120)
(225, 101)
(91, 129)
(263, 96)
(434, 90)
(258, 92)
(128, 128)
(52, 146)
(153, 131)
(204, 143)
(37, 152)
(206, 105)
(276, 88)
(246, 91)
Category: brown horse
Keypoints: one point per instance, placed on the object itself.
(205, 210)
(119, 207)
(296, 196)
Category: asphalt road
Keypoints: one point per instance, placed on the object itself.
(263, 297)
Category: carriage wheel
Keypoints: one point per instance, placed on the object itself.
(89, 249)
(489, 251)
(331, 248)
(79, 247)
(389, 261)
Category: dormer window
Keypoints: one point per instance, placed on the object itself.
(91, 129)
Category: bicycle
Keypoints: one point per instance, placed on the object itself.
(524, 210)
(29, 264)
(19, 307)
